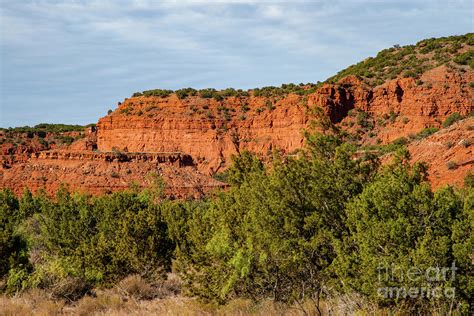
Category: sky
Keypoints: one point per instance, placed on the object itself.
(71, 61)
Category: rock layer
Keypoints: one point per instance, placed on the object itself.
(198, 127)
(99, 173)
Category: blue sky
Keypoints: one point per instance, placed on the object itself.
(71, 61)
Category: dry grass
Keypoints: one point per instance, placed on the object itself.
(33, 302)
(134, 296)
(110, 302)
(134, 286)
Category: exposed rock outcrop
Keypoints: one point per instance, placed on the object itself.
(99, 173)
(212, 131)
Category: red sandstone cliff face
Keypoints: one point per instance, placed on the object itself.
(212, 131)
(442, 92)
(196, 127)
(99, 173)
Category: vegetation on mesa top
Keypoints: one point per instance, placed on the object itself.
(47, 128)
(218, 95)
(20, 135)
(412, 60)
(406, 61)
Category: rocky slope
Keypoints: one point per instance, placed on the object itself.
(449, 153)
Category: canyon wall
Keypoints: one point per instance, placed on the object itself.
(99, 173)
(212, 131)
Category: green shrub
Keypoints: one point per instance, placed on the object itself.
(229, 92)
(14, 248)
(465, 58)
(469, 180)
(157, 93)
(450, 120)
(363, 120)
(184, 93)
(269, 105)
(126, 110)
(396, 225)
(405, 60)
(410, 73)
(244, 108)
(280, 239)
(103, 239)
(393, 116)
(426, 132)
(48, 128)
(206, 93)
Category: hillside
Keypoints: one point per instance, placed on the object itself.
(412, 61)
(449, 153)
(18, 144)
(397, 94)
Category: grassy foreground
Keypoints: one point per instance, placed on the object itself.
(134, 296)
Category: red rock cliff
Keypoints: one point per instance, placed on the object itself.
(211, 131)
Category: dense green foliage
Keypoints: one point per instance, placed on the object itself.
(466, 58)
(412, 60)
(398, 224)
(13, 250)
(46, 134)
(453, 118)
(218, 95)
(96, 240)
(426, 132)
(315, 224)
(155, 92)
(47, 128)
(270, 235)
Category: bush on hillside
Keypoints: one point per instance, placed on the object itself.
(453, 118)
